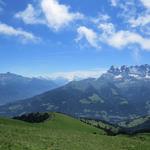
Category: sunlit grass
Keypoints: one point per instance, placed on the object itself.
(64, 133)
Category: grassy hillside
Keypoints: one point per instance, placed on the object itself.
(64, 133)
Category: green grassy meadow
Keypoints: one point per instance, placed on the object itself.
(64, 133)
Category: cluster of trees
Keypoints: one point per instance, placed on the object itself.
(33, 117)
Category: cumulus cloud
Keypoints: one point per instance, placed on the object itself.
(11, 31)
(134, 16)
(123, 38)
(58, 15)
(51, 13)
(109, 35)
(29, 16)
(89, 35)
(146, 3)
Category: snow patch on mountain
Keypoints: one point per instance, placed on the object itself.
(132, 72)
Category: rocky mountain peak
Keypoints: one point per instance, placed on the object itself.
(141, 71)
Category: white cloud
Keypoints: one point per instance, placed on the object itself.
(128, 9)
(58, 15)
(100, 18)
(109, 35)
(146, 3)
(140, 21)
(30, 16)
(11, 31)
(49, 12)
(107, 28)
(123, 38)
(89, 35)
(114, 2)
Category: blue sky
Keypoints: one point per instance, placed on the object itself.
(60, 37)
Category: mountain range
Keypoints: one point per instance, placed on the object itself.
(119, 94)
(15, 87)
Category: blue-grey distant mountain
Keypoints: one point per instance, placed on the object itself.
(120, 94)
(14, 87)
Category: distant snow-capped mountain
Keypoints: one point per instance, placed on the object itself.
(117, 95)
